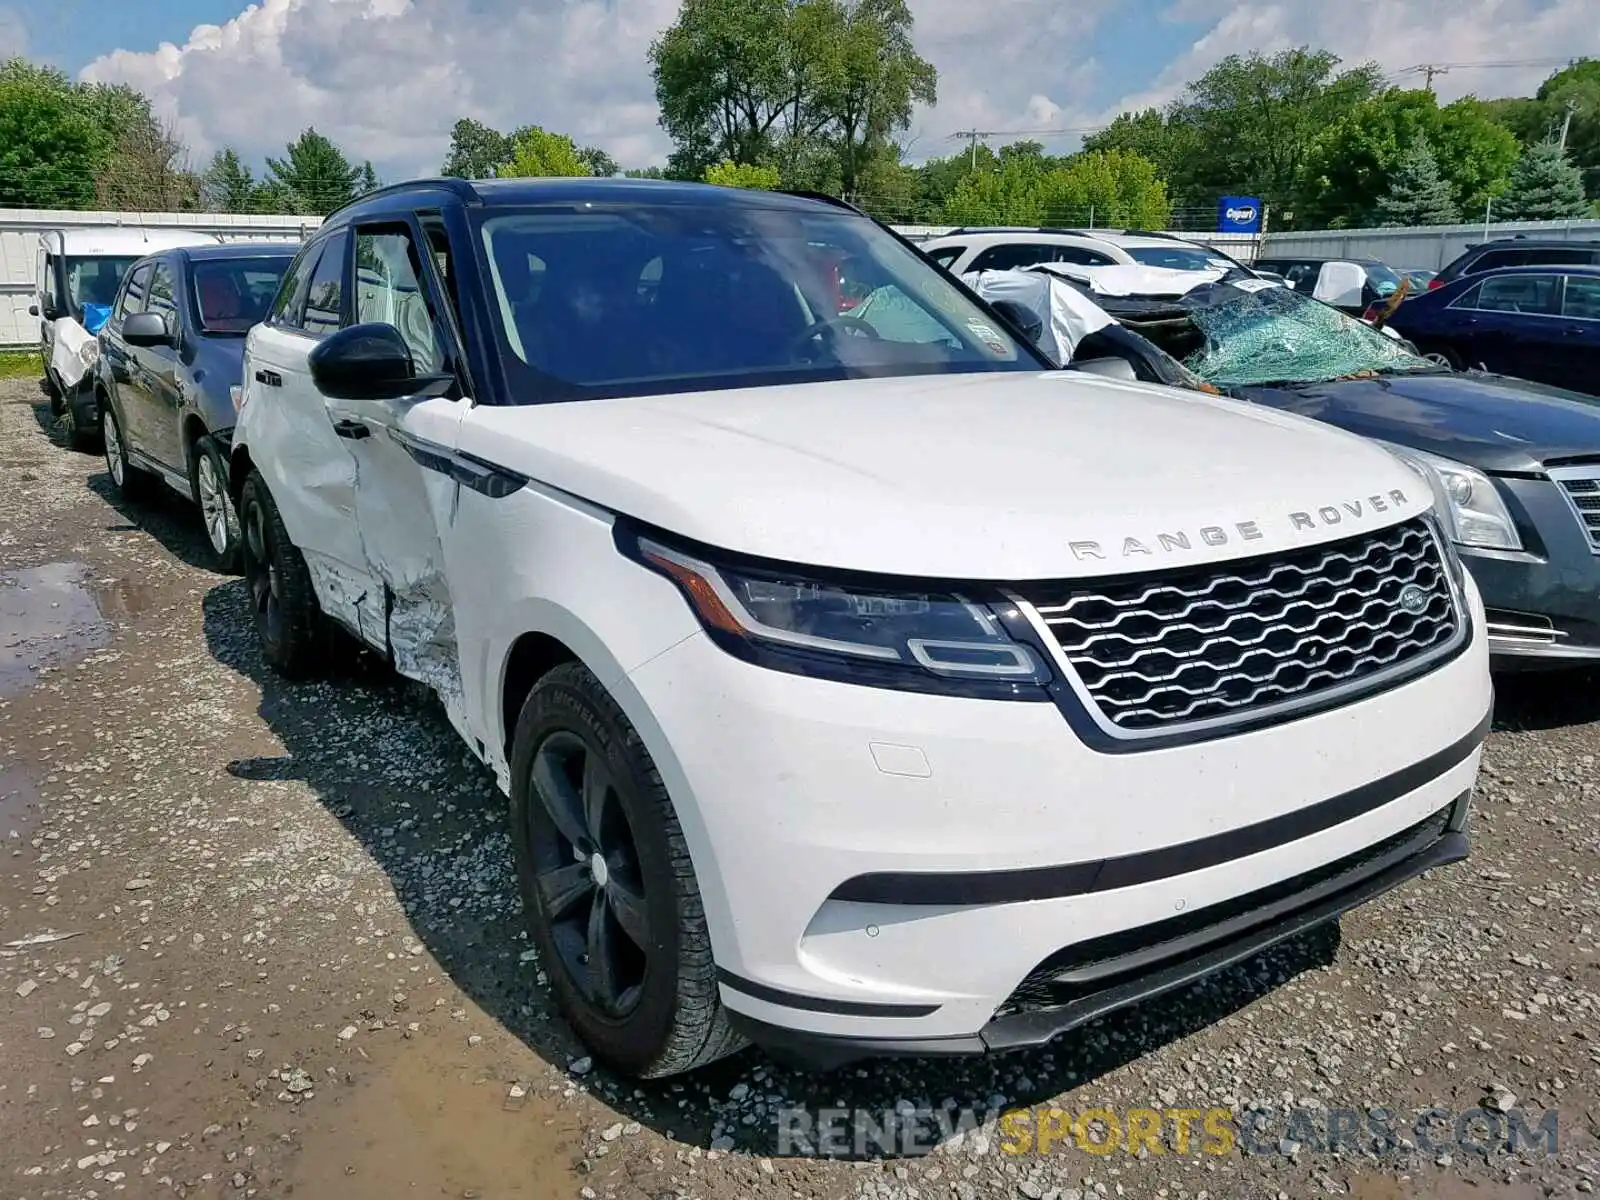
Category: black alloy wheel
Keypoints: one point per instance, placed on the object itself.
(586, 863)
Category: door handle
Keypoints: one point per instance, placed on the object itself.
(354, 430)
(270, 378)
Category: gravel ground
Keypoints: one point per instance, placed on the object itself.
(261, 939)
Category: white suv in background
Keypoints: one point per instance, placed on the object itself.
(859, 685)
(1008, 249)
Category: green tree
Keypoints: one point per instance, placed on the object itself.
(775, 82)
(314, 178)
(367, 180)
(49, 150)
(600, 164)
(1418, 194)
(1255, 120)
(1105, 187)
(476, 151)
(871, 76)
(1545, 186)
(1169, 140)
(537, 152)
(742, 175)
(1351, 165)
(645, 173)
(148, 169)
(227, 185)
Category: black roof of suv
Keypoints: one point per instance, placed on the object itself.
(1520, 252)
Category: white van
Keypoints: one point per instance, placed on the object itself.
(76, 276)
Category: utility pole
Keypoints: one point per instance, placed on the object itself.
(1566, 123)
(1429, 70)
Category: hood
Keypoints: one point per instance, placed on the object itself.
(1491, 422)
(981, 476)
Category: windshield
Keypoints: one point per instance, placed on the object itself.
(1179, 258)
(94, 280)
(1258, 334)
(641, 299)
(233, 294)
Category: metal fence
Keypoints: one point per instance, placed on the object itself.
(19, 246)
(1425, 248)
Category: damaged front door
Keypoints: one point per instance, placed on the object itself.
(402, 449)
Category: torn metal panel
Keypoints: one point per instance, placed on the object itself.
(422, 636)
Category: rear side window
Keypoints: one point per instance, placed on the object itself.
(1582, 298)
(947, 254)
(1009, 258)
(324, 310)
(1077, 254)
(291, 301)
(1530, 258)
(1534, 294)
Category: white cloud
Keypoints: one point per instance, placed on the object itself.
(387, 78)
(1534, 36)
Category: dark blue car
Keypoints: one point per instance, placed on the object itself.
(1539, 323)
(171, 354)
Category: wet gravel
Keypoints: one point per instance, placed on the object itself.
(262, 939)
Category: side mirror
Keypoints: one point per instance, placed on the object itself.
(1023, 317)
(369, 362)
(146, 329)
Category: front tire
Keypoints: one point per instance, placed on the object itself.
(608, 886)
(208, 479)
(291, 627)
(131, 483)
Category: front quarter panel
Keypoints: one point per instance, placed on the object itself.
(539, 561)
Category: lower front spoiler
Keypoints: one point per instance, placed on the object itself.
(1243, 928)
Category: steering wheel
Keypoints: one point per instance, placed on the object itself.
(834, 325)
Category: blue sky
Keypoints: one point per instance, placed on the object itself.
(387, 78)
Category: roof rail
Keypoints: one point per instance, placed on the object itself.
(971, 229)
(1152, 233)
(449, 183)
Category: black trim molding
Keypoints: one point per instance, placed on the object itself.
(1084, 878)
(842, 1008)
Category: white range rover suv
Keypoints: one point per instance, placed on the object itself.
(858, 689)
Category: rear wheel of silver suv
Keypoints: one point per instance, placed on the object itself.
(607, 884)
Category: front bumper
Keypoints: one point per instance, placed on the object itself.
(893, 867)
(1088, 981)
(1543, 602)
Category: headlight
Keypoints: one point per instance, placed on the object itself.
(919, 641)
(1466, 500)
(89, 354)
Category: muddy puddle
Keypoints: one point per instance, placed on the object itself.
(51, 614)
(427, 1125)
(19, 806)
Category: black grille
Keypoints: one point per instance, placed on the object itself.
(1049, 984)
(1160, 650)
